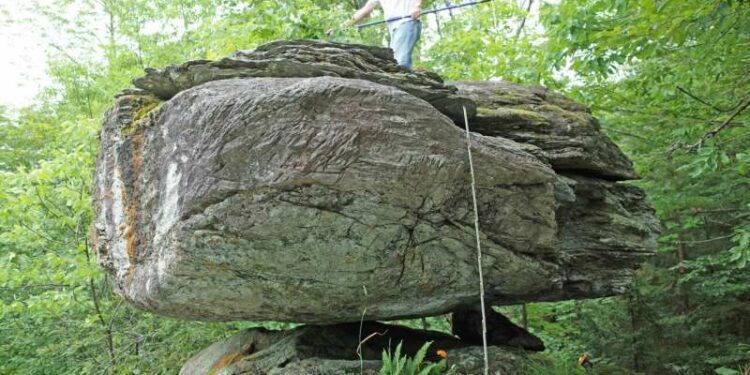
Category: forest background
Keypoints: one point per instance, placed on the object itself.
(669, 80)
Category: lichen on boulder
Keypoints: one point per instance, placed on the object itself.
(307, 59)
(275, 186)
(566, 131)
(310, 182)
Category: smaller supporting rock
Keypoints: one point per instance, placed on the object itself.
(332, 350)
(467, 325)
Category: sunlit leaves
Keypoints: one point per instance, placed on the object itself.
(660, 75)
(58, 313)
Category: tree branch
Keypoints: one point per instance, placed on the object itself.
(40, 235)
(41, 286)
(523, 21)
(628, 134)
(702, 101)
(706, 240)
(108, 335)
(721, 127)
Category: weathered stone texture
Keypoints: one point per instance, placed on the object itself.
(267, 199)
(305, 59)
(309, 181)
(566, 131)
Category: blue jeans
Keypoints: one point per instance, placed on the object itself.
(403, 39)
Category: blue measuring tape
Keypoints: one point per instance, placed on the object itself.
(393, 19)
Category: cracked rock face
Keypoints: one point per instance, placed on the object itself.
(564, 129)
(225, 195)
(304, 59)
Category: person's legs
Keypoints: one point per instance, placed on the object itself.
(403, 39)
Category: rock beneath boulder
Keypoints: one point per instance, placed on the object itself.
(333, 350)
(312, 198)
(468, 323)
(564, 129)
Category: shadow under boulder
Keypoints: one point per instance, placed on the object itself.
(332, 350)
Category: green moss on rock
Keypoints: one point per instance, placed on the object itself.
(141, 107)
(514, 116)
(573, 118)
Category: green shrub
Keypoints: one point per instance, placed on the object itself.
(397, 364)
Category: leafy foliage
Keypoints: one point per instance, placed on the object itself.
(669, 79)
(396, 363)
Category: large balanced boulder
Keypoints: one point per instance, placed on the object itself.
(269, 198)
(314, 182)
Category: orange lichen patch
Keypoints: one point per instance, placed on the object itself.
(230, 358)
(130, 240)
(216, 266)
(130, 237)
(225, 361)
(442, 353)
(583, 359)
(130, 201)
(138, 140)
(93, 237)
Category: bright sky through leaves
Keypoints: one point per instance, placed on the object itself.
(23, 51)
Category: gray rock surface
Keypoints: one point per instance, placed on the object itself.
(606, 230)
(267, 198)
(305, 59)
(332, 350)
(312, 198)
(566, 131)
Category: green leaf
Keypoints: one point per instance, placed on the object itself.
(726, 371)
